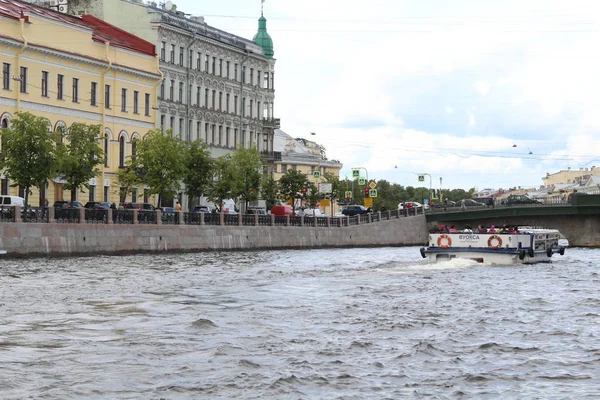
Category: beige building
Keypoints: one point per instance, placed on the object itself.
(305, 156)
(70, 69)
(570, 176)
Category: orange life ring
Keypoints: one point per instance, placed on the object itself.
(448, 242)
(495, 246)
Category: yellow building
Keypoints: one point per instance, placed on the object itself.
(77, 69)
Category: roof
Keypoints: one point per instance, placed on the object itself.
(294, 150)
(101, 31)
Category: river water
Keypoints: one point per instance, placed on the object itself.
(316, 324)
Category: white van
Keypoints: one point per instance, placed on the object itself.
(11, 201)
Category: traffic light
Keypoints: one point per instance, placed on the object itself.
(303, 190)
(367, 192)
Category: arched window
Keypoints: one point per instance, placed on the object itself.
(122, 151)
(107, 139)
(4, 124)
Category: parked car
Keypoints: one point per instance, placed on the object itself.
(256, 210)
(202, 209)
(63, 204)
(168, 209)
(471, 203)
(12, 201)
(409, 204)
(309, 212)
(282, 210)
(442, 204)
(355, 210)
(521, 199)
(97, 205)
(139, 206)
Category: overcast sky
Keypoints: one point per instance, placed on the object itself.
(480, 93)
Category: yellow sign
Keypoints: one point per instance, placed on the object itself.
(372, 185)
(368, 202)
(325, 203)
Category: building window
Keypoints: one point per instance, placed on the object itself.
(220, 101)
(93, 93)
(122, 151)
(213, 132)
(227, 97)
(199, 61)
(206, 61)
(198, 91)
(106, 193)
(106, 144)
(235, 68)
(133, 149)
(162, 122)
(181, 53)
(251, 108)
(206, 98)
(258, 109)
(172, 58)
(107, 96)
(134, 194)
(92, 193)
(272, 80)
(163, 51)
(147, 104)
(294, 167)
(220, 67)
(146, 195)
(251, 76)
(124, 100)
(266, 81)
(227, 132)
(235, 104)
(198, 127)
(60, 80)
(162, 90)
(214, 65)
(283, 168)
(220, 135)
(214, 99)
(181, 92)
(171, 90)
(6, 76)
(171, 123)
(136, 96)
(180, 127)
(243, 110)
(206, 133)
(243, 74)
(75, 90)
(45, 83)
(23, 82)
(190, 59)
(257, 78)
(227, 69)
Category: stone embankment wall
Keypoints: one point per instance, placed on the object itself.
(57, 239)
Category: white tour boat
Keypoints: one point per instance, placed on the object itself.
(527, 245)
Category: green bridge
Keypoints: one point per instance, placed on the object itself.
(578, 221)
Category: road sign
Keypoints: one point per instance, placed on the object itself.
(325, 187)
(361, 181)
(421, 178)
(356, 173)
(348, 194)
(373, 193)
(368, 202)
(316, 174)
(372, 185)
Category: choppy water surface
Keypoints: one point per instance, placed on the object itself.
(320, 324)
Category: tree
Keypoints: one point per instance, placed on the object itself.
(29, 152)
(198, 169)
(337, 187)
(246, 165)
(128, 179)
(220, 187)
(79, 157)
(269, 190)
(161, 161)
(313, 196)
(291, 185)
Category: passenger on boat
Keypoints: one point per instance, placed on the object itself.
(481, 229)
(492, 229)
(452, 229)
(468, 229)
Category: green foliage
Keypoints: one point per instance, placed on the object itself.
(28, 152)
(79, 156)
(338, 188)
(291, 185)
(246, 165)
(221, 187)
(128, 179)
(269, 191)
(161, 161)
(198, 169)
(312, 195)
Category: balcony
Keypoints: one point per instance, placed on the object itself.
(271, 155)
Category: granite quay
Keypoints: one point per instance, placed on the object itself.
(38, 231)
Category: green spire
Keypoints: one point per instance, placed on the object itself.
(263, 39)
